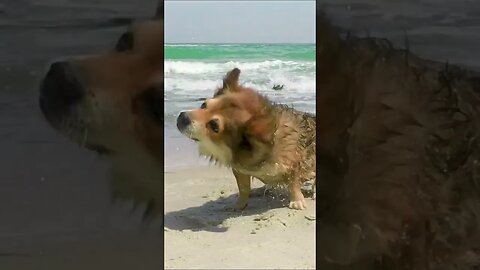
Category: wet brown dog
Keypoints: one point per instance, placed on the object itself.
(398, 156)
(113, 104)
(243, 130)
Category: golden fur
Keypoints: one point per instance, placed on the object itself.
(242, 129)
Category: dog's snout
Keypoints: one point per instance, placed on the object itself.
(60, 89)
(183, 121)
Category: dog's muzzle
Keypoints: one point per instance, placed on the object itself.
(183, 121)
(60, 91)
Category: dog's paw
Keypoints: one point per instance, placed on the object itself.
(239, 206)
(298, 205)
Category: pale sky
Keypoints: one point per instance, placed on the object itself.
(239, 21)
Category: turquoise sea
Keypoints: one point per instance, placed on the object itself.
(193, 71)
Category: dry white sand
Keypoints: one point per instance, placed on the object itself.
(200, 233)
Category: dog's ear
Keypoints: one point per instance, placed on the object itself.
(261, 127)
(231, 79)
(230, 82)
(159, 11)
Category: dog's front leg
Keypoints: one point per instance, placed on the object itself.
(243, 183)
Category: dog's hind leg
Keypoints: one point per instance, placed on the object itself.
(297, 201)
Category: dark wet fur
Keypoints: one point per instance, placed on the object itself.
(307, 136)
(399, 158)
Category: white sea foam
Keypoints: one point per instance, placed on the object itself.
(188, 81)
(196, 67)
(183, 45)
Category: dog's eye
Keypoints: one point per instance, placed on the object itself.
(203, 106)
(213, 125)
(125, 42)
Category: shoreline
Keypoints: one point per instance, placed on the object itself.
(180, 153)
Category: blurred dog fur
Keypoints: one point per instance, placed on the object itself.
(398, 156)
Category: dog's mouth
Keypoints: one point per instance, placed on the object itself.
(90, 143)
(77, 131)
(99, 149)
(188, 133)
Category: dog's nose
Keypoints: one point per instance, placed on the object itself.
(183, 120)
(60, 89)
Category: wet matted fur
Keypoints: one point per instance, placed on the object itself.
(243, 130)
(398, 158)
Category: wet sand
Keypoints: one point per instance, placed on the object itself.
(200, 233)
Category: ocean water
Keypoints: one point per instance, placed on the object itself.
(194, 71)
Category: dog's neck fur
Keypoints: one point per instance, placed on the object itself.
(270, 160)
(138, 176)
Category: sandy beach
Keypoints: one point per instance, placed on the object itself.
(200, 233)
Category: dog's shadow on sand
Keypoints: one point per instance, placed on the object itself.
(213, 216)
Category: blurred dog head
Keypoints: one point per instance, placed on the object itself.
(111, 102)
